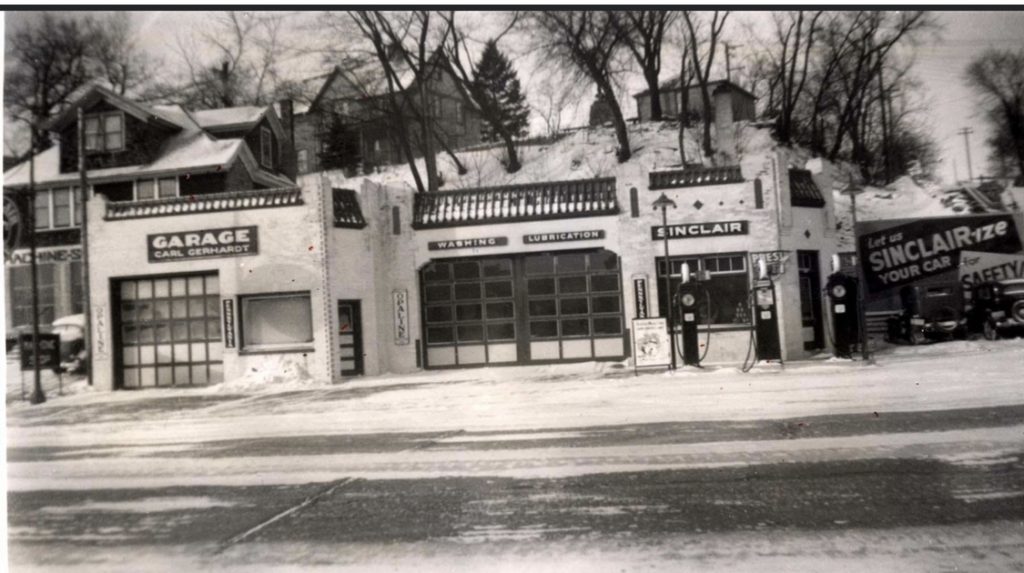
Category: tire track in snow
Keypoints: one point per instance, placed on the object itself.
(326, 492)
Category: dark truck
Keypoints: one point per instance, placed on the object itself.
(930, 312)
(997, 308)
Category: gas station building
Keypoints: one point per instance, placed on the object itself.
(337, 282)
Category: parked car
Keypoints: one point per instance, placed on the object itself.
(998, 308)
(930, 312)
(73, 354)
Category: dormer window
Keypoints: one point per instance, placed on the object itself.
(104, 131)
(266, 147)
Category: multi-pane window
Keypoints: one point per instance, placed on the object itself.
(573, 295)
(104, 131)
(726, 301)
(58, 208)
(156, 188)
(276, 322)
(266, 147)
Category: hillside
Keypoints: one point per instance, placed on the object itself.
(590, 152)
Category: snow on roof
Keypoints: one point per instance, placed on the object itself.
(191, 149)
(229, 116)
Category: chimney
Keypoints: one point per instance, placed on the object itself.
(227, 97)
(286, 111)
(725, 126)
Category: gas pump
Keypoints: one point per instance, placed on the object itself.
(841, 290)
(766, 319)
(687, 299)
(842, 295)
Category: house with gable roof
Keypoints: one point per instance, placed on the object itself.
(357, 96)
(133, 152)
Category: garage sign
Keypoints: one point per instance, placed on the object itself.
(899, 252)
(203, 244)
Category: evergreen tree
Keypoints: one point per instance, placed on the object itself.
(341, 145)
(496, 82)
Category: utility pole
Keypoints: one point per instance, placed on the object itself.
(83, 190)
(728, 60)
(966, 132)
(38, 395)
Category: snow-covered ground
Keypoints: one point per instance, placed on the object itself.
(514, 404)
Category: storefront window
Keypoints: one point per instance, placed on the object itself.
(727, 300)
(276, 322)
(21, 291)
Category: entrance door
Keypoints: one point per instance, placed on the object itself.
(810, 299)
(350, 330)
(167, 331)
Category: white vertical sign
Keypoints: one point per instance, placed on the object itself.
(401, 308)
(99, 329)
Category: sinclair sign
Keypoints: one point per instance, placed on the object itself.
(902, 251)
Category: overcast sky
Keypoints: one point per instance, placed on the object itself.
(940, 65)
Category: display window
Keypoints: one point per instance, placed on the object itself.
(727, 282)
(279, 322)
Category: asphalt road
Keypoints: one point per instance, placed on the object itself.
(876, 512)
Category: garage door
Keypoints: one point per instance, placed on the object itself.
(169, 331)
(469, 312)
(523, 308)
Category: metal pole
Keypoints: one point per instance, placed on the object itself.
(38, 396)
(668, 288)
(966, 132)
(862, 311)
(83, 183)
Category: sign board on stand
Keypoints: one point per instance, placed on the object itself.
(652, 347)
(49, 351)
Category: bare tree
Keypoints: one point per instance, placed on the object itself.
(643, 32)
(48, 62)
(686, 76)
(702, 65)
(791, 59)
(998, 78)
(409, 67)
(554, 99)
(239, 58)
(116, 55)
(587, 41)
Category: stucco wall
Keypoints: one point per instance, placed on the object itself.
(291, 258)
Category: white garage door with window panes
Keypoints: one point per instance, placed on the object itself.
(469, 312)
(169, 331)
(574, 302)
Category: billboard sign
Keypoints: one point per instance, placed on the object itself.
(902, 251)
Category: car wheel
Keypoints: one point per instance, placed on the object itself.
(916, 336)
(990, 331)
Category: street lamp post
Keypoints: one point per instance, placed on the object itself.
(664, 203)
(853, 190)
